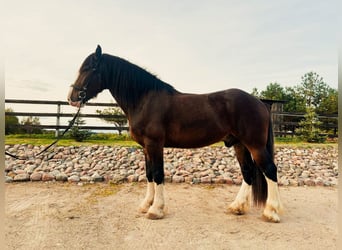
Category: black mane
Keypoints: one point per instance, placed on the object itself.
(128, 82)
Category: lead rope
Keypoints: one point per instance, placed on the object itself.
(71, 123)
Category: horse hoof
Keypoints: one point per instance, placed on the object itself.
(144, 207)
(155, 214)
(271, 215)
(143, 210)
(237, 209)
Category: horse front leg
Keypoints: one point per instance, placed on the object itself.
(148, 200)
(153, 204)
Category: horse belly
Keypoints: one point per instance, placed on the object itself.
(194, 137)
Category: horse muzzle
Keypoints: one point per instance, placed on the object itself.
(80, 98)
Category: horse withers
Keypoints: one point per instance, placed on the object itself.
(160, 116)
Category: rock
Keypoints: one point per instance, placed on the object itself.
(36, 177)
(96, 177)
(219, 180)
(228, 180)
(305, 174)
(20, 171)
(142, 178)
(206, 180)
(8, 179)
(55, 172)
(237, 181)
(296, 166)
(74, 178)
(86, 178)
(132, 178)
(177, 179)
(61, 177)
(22, 177)
(47, 177)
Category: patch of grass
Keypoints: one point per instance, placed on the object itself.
(296, 142)
(102, 191)
(46, 139)
(125, 141)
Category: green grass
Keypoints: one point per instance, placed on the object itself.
(124, 140)
(46, 139)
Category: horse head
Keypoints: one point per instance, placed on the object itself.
(88, 83)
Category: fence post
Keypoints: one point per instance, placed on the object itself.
(58, 119)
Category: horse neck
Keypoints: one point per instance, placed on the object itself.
(129, 83)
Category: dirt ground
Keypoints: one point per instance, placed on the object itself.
(104, 216)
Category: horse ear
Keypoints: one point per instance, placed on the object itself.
(98, 52)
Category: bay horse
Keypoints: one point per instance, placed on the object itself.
(160, 116)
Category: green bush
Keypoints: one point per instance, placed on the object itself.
(77, 133)
(309, 130)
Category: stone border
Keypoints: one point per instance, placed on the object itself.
(296, 166)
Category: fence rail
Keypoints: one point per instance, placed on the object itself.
(58, 114)
(281, 127)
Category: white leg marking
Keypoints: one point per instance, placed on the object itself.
(242, 201)
(273, 204)
(147, 202)
(156, 211)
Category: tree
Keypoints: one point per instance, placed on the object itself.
(312, 96)
(294, 101)
(11, 123)
(313, 89)
(273, 91)
(314, 92)
(119, 119)
(329, 103)
(309, 127)
(29, 125)
(255, 92)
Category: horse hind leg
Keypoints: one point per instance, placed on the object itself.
(273, 205)
(241, 203)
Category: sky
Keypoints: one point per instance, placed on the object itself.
(195, 45)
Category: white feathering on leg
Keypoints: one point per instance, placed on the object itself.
(147, 202)
(156, 211)
(242, 201)
(273, 205)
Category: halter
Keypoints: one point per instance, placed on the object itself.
(82, 91)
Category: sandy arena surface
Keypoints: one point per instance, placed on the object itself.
(103, 216)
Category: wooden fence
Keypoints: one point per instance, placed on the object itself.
(59, 114)
(281, 126)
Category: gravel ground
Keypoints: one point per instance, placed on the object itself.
(316, 166)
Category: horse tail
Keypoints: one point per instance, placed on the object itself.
(259, 184)
(270, 140)
(259, 187)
